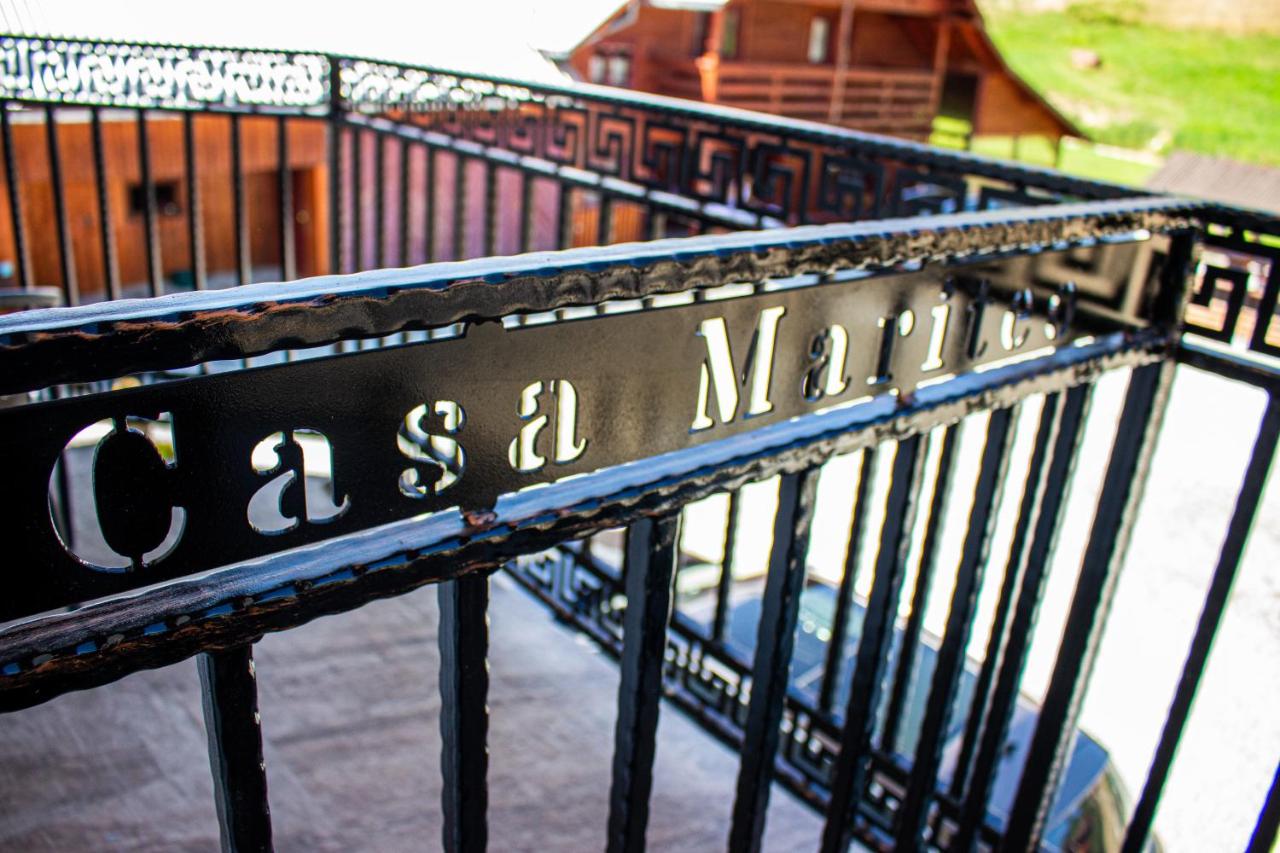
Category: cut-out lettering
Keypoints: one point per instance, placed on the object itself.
(427, 438)
(827, 356)
(939, 316)
(135, 518)
(1014, 324)
(539, 403)
(722, 377)
(892, 327)
(285, 502)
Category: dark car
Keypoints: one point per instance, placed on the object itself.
(1091, 808)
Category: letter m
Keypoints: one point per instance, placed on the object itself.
(722, 376)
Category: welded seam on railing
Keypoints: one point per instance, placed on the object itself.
(86, 343)
(46, 656)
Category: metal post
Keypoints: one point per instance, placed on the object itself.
(229, 687)
(653, 549)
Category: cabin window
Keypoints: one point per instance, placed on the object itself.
(728, 34)
(596, 67)
(729, 38)
(819, 40)
(619, 70)
(166, 199)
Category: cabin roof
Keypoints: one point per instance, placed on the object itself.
(690, 5)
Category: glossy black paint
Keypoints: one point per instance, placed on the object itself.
(228, 683)
(853, 763)
(1117, 507)
(626, 403)
(1215, 605)
(1066, 415)
(652, 551)
(464, 711)
(853, 556)
(913, 816)
(926, 566)
(769, 671)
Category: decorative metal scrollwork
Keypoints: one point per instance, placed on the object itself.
(132, 75)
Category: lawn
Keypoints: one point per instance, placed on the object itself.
(1157, 89)
(1075, 157)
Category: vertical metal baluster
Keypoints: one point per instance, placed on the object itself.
(155, 268)
(925, 570)
(1267, 305)
(1263, 839)
(604, 234)
(195, 213)
(357, 198)
(657, 225)
(853, 763)
(526, 212)
(1068, 432)
(229, 688)
(724, 586)
(404, 149)
(490, 208)
(652, 552)
(288, 259)
(564, 217)
(379, 201)
(779, 609)
(913, 814)
(240, 200)
(1215, 605)
(1015, 568)
(429, 206)
(1055, 732)
(106, 225)
(459, 207)
(337, 171)
(21, 247)
(464, 711)
(844, 594)
(66, 249)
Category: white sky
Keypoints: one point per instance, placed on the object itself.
(500, 37)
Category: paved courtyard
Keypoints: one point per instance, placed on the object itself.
(350, 713)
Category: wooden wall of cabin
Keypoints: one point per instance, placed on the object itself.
(893, 41)
(1005, 108)
(776, 32)
(399, 237)
(169, 170)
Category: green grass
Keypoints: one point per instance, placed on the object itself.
(1157, 89)
(1077, 158)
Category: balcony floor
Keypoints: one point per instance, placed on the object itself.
(350, 708)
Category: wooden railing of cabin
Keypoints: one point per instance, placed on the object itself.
(895, 101)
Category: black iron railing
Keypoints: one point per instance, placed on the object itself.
(474, 412)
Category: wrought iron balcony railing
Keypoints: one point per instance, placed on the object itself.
(611, 306)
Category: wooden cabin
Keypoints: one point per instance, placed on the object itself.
(887, 66)
(125, 202)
